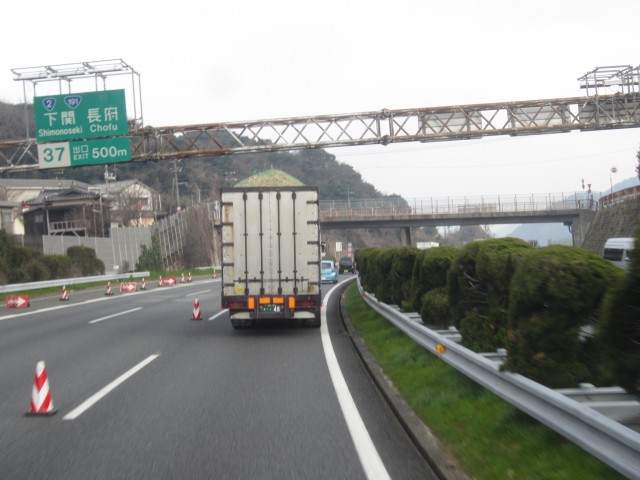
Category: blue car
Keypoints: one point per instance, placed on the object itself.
(329, 272)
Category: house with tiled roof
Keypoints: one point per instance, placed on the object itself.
(72, 211)
(15, 191)
(132, 202)
(19, 190)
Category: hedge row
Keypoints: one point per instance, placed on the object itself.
(19, 264)
(564, 314)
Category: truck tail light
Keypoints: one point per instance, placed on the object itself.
(278, 300)
(307, 304)
(291, 302)
(251, 303)
(236, 305)
(264, 300)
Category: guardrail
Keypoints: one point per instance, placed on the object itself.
(17, 287)
(604, 438)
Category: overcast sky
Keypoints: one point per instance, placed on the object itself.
(222, 61)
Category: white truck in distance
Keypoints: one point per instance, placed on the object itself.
(271, 254)
(617, 251)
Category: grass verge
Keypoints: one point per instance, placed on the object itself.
(490, 438)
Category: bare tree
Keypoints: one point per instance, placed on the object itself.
(130, 204)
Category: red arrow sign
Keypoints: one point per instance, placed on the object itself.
(167, 281)
(17, 301)
(128, 286)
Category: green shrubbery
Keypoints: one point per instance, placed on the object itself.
(564, 314)
(150, 258)
(85, 261)
(554, 304)
(478, 289)
(619, 331)
(21, 265)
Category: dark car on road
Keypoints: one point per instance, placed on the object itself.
(346, 264)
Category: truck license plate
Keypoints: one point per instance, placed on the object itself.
(271, 308)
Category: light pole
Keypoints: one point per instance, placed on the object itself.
(611, 172)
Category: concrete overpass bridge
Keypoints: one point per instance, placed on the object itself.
(575, 210)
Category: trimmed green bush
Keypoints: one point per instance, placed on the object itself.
(366, 260)
(36, 271)
(429, 272)
(85, 261)
(554, 300)
(434, 308)
(59, 266)
(401, 272)
(619, 332)
(478, 290)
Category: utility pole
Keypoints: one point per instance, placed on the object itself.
(176, 169)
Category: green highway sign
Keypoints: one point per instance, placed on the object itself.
(86, 152)
(80, 115)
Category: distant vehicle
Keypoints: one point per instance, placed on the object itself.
(329, 272)
(617, 250)
(346, 264)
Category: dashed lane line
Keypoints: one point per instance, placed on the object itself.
(96, 397)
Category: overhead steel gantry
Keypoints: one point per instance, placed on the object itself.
(592, 112)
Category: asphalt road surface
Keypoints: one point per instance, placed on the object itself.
(144, 392)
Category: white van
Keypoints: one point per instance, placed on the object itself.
(617, 250)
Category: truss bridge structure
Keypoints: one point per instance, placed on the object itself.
(595, 111)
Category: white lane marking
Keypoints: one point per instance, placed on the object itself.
(49, 309)
(197, 293)
(93, 399)
(369, 458)
(115, 315)
(218, 314)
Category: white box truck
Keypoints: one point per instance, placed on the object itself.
(271, 254)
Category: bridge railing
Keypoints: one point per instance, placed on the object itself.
(382, 207)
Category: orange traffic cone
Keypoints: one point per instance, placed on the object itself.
(196, 311)
(143, 286)
(64, 296)
(109, 290)
(41, 403)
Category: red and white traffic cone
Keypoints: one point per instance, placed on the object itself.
(41, 403)
(109, 290)
(214, 275)
(196, 311)
(182, 278)
(120, 287)
(64, 296)
(143, 286)
(160, 281)
(189, 278)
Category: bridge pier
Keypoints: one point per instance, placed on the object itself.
(580, 227)
(405, 236)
